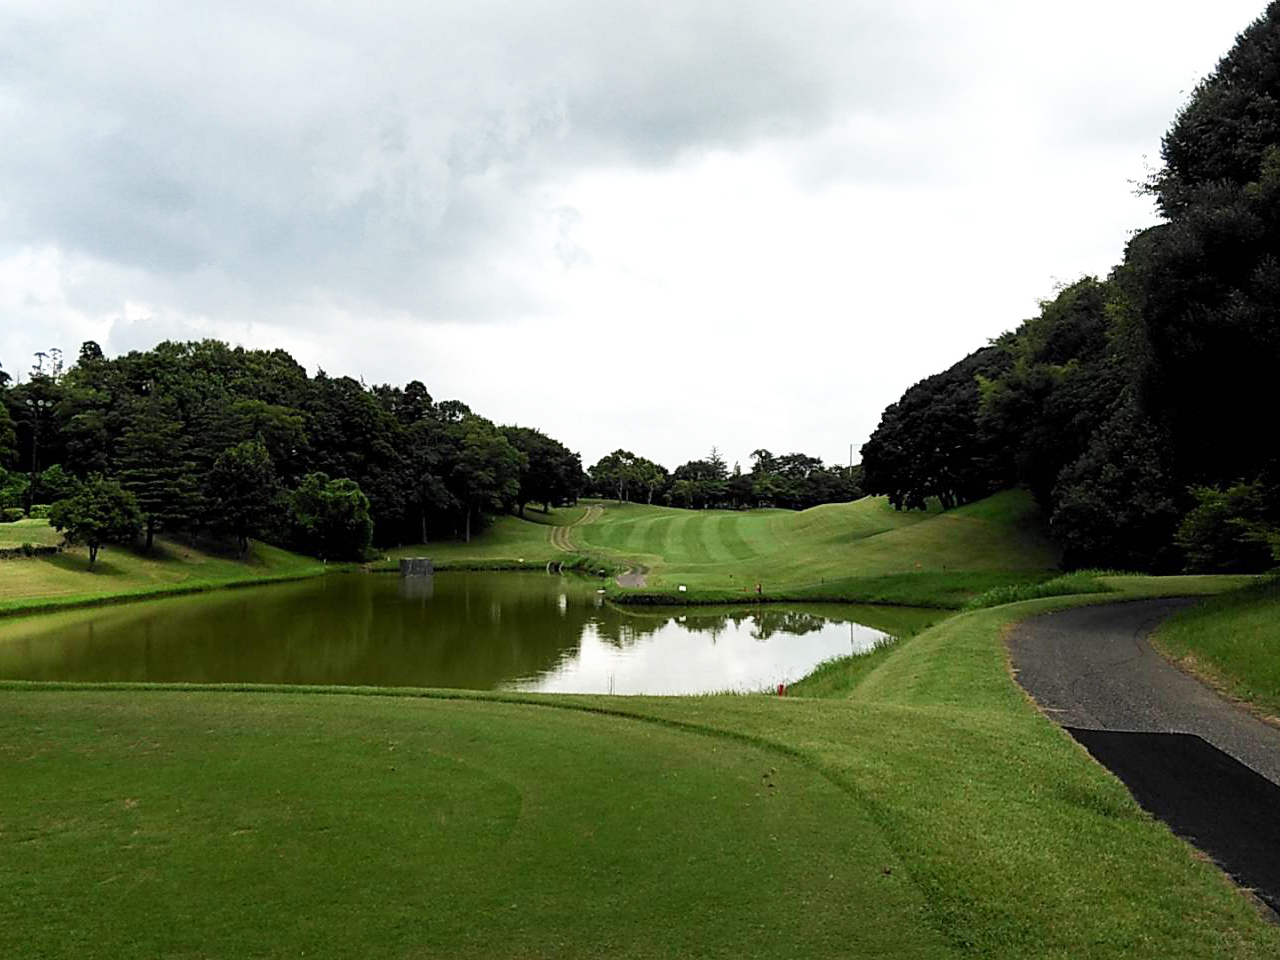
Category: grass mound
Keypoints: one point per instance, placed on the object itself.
(1233, 641)
(1076, 582)
(46, 582)
(862, 552)
(346, 826)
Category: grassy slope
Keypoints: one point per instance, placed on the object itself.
(35, 532)
(220, 825)
(504, 543)
(1234, 643)
(68, 578)
(859, 551)
(930, 811)
(863, 551)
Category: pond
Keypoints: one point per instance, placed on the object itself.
(477, 631)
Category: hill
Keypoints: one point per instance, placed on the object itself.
(67, 578)
(861, 551)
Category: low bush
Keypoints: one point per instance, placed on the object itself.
(11, 514)
(39, 511)
(1078, 581)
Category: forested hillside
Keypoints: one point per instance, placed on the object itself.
(203, 436)
(1140, 408)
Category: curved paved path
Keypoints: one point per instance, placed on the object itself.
(1201, 764)
(1092, 668)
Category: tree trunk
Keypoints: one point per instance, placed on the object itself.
(93, 553)
(151, 533)
(424, 526)
(467, 537)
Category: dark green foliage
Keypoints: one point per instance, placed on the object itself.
(13, 488)
(11, 514)
(486, 473)
(700, 483)
(1117, 505)
(242, 491)
(1059, 388)
(100, 511)
(1228, 531)
(1220, 534)
(552, 473)
(615, 475)
(54, 483)
(1206, 285)
(1122, 395)
(330, 518)
(8, 438)
(928, 444)
(153, 466)
(1232, 120)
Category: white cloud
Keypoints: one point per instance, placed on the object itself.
(652, 225)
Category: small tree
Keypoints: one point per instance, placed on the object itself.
(154, 469)
(242, 489)
(330, 518)
(99, 512)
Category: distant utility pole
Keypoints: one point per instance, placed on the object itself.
(851, 459)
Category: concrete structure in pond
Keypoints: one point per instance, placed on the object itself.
(417, 567)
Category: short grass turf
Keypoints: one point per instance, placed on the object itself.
(921, 808)
(507, 542)
(38, 533)
(31, 583)
(861, 551)
(215, 825)
(1233, 641)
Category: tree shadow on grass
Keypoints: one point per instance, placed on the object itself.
(79, 563)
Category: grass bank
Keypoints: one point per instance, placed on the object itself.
(67, 579)
(1233, 643)
(920, 807)
(861, 552)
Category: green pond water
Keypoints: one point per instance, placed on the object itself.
(477, 631)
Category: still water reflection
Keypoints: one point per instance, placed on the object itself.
(475, 631)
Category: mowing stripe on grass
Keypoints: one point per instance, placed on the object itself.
(726, 529)
(692, 533)
(657, 536)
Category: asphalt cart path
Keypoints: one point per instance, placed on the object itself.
(1206, 767)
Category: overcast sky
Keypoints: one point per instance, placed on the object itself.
(655, 225)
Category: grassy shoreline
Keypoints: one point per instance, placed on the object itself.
(995, 833)
(1232, 643)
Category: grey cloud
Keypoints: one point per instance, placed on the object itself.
(383, 153)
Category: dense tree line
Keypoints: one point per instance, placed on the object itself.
(203, 437)
(1138, 408)
(794, 481)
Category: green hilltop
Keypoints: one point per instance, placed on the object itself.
(861, 551)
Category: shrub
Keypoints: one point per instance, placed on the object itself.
(1080, 581)
(39, 511)
(11, 514)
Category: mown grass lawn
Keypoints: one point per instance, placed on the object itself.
(1233, 641)
(506, 542)
(245, 825)
(918, 806)
(861, 551)
(35, 532)
(29, 583)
